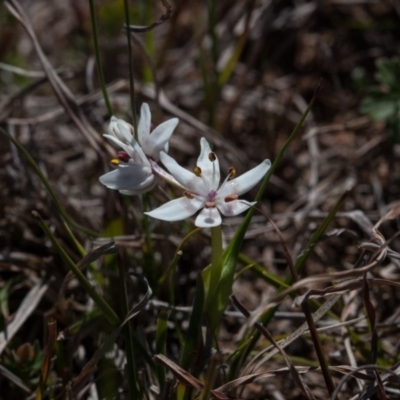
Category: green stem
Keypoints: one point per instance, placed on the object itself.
(134, 388)
(107, 311)
(131, 81)
(214, 89)
(326, 373)
(98, 59)
(216, 259)
(149, 40)
(151, 271)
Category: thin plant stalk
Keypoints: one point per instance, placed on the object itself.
(212, 281)
(132, 374)
(213, 83)
(309, 318)
(130, 58)
(148, 250)
(98, 58)
(216, 257)
(149, 39)
(127, 332)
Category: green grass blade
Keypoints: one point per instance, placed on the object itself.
(193, 333)
(231, 253)
(161, 345)
(98, 57)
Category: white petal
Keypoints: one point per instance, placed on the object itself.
(131, 178)
(208, 218)
(182, 175)
(128, 148)
(112, 126)
(176, 210)
(114, 130)
(158, 139)
(144, 125)
(244, 182)
(210, 172)
(139, 156)
(235, 207)
(125, 130)
(144, 189)
(134, 150)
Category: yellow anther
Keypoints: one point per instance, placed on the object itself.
(115, 161)
(231, 172)
(197, 171)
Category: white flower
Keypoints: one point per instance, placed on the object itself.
(136, 163)
(203, 191)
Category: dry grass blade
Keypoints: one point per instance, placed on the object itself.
(136, 309)
(311, 324)
(244, 380)
(357, 271)
(44, 373)
(6, 107)
(179, 373)
(59, 111)
(14, 379)
(371, 390)
(108, 248)
(292, 337)
(62, 92)
(387, 376)
(89, 369)
(343, 287)
(295, 375)
(380, 255)
(164, 17)
(27, 306)
(369, 307)
(186, 378)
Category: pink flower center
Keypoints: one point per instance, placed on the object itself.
(212, 195)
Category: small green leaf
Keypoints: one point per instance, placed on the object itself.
(389, 72)
(379, 106)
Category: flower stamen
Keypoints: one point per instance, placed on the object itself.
(231, 173)
(230, 198)
(123, 156)
(189, 195)
(114, 161)
(197, 171)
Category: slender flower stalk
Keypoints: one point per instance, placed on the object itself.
(216, 259)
